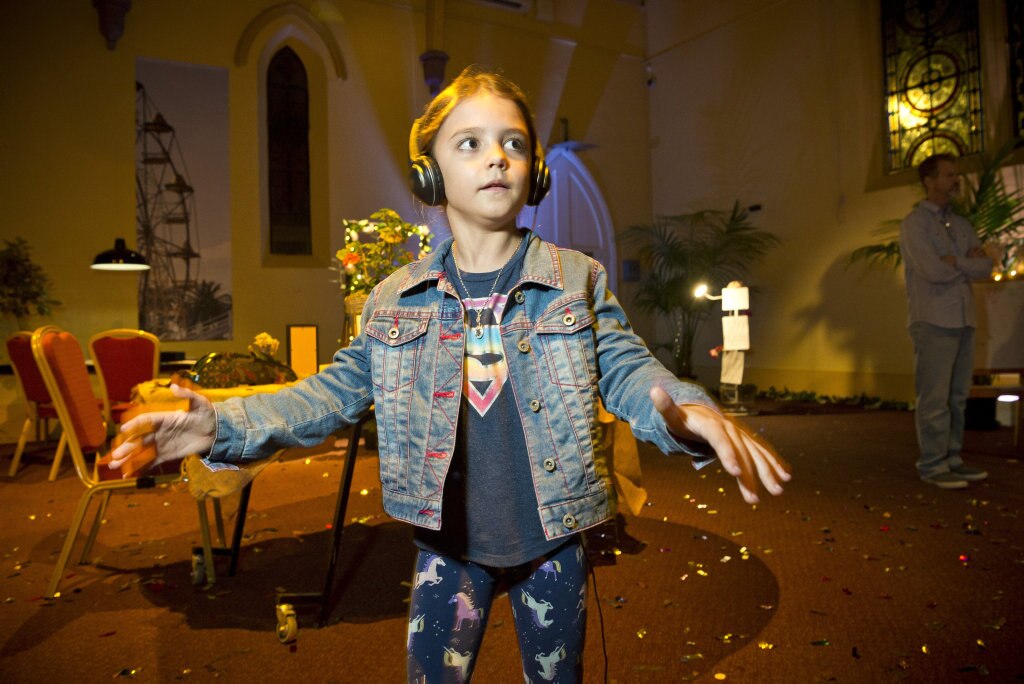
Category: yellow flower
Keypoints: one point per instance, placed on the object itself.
(265, 344)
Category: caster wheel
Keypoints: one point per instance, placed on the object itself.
(198, 575)
(287, 623)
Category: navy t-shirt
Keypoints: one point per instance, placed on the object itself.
(490, 507)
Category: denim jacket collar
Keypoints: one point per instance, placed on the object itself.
(540, 265)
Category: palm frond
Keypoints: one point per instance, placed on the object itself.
(886, 254)
(995, 212)
(682, 250)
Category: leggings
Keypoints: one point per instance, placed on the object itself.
(451, 603)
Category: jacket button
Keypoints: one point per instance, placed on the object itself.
(569, 521)
(534, 405)
(520, 297)
(549, 465)
(523, 346)
(393, 333)
(568, 319)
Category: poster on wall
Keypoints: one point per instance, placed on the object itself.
(182, 200)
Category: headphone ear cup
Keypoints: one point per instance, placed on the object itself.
(426, 181)
(540, 182)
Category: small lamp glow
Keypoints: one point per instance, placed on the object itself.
(702, 290)
(120, 258)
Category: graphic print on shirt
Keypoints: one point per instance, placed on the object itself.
(485, 366)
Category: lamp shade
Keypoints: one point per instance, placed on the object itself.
(120, 259)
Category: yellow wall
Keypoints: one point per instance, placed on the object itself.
(780, 104)
(772, 102)
(67, 132)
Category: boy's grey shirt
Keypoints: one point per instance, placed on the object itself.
(568, 344)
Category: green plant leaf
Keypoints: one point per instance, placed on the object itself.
(24, 285)
(681, 251)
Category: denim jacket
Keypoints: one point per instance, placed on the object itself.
(567, 344)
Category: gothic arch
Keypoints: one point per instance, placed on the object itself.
(574, 214)
(299, 14)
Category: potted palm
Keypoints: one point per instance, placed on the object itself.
(996, 213)
(680, 252)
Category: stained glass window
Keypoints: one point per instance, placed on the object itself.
(932, 79)
(1015, 21)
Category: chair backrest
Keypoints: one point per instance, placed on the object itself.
(62, 364)
(124, 358)
(19, 349)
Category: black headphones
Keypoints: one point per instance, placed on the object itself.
(427, 183)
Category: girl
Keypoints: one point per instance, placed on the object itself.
(485, 362)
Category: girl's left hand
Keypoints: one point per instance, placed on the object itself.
(743, 455)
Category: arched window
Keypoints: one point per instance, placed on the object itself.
(288, 155)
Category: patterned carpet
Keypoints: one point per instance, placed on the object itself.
(858, 573)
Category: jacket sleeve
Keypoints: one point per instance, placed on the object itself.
(304, 414)
(975, 267)
(627, 372)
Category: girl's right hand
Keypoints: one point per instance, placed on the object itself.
(175, 434)
(742, 454)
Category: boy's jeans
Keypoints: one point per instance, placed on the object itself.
(942, 380)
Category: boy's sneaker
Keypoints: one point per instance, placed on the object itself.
(969, 473)
(946, 481)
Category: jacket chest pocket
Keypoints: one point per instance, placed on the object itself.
(397, 355)
(567, 338)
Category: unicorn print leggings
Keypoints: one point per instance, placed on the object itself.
(451, 603)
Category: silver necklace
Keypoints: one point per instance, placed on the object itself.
(478, 328)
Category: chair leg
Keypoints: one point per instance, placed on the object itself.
(69, 542)
(204, 532)
(59, 456)
(22, 439)
(97, 521)
(218, 519)
(236, 541)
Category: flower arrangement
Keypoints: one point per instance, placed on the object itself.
(375, 248)
(264, 344)
(232, 369)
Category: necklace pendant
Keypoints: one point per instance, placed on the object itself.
(478, 331)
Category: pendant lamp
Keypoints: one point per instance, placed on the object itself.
(120, 259)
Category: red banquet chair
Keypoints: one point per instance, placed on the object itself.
(63, 369)
(39, 409)
(123, 358)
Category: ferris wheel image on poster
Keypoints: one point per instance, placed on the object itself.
(182, 200)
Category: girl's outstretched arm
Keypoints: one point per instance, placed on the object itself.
(743, 455)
